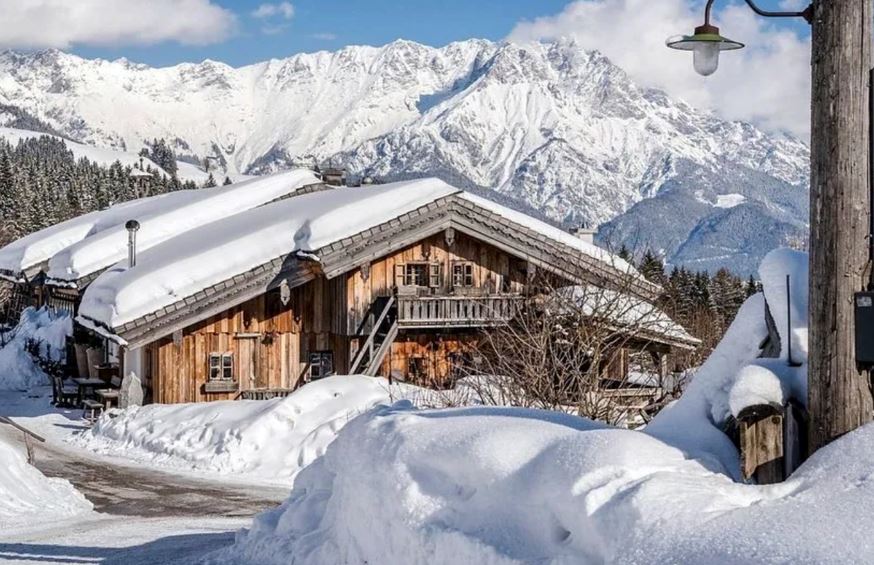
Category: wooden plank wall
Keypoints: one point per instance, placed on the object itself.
(270, 341)
(439, 352)
(491, 268)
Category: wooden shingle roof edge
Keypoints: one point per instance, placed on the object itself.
(377, 241)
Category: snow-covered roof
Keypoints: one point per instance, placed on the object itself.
(22, 255)
(551, 232)
(185, 211)
(215, 252)
(629, 312)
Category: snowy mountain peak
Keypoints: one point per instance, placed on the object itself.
(554, 125)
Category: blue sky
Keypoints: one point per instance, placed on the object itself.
(330, 24)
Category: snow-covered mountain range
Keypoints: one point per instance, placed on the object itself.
(557, 127)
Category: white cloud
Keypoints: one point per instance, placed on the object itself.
(282, 9)
(767, 83)
(63, 23)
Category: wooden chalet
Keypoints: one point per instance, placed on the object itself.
(397, 280)
(399, 293)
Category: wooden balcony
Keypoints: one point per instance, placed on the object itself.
(455, 311)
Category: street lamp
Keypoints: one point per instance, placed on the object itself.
(706, 43)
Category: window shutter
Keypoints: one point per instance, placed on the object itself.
(435, 275)
(399, 275)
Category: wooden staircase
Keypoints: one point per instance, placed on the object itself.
(378, 343)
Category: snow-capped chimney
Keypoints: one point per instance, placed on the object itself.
(132, 226)
(585, 233)
(334, 176)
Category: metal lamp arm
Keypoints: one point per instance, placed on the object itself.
(807, 13)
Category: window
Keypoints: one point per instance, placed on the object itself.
(220, 377)
(415, 274)
(462, 275)
(321, 364)
(221, 367)
(420, 274)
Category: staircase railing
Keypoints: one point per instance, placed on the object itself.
(368, 345)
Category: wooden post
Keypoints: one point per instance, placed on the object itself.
(839, 397)
(761, 443)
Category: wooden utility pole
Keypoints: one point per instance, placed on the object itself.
(839, 398)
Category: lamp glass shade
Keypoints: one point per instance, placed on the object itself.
(705, 58)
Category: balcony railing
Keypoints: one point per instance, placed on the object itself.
(455, 311)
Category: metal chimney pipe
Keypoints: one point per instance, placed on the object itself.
(132, 226)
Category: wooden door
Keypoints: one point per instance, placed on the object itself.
(247, 355)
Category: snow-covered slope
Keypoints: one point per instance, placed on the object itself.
(103, 156)
(553, 125)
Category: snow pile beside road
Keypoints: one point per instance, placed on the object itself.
(507, 485)
(270, 440)
(27, 496)
(502, 486)
(48, 332)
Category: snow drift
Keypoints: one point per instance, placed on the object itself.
(27, 496)
(507, 485)
(47, 332)
(269, 440)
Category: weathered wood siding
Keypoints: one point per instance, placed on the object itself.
(270, 343)
(438, 355)
(493, 271)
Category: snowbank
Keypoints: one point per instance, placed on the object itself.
(18, 369)
(501, 486)
(507, 485)
(216, 252)
(270, 440)
(195, 209)
(27, 496)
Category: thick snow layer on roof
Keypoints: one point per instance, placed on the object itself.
(160, 223)
(216, 252)
(551, 232)
(31, 250)
(625, 311)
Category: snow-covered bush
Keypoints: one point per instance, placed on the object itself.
(37, 343)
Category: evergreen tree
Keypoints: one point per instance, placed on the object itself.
(652, 268)
(210, 181)
(227, 181)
